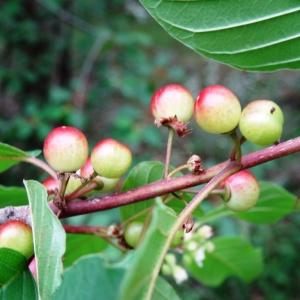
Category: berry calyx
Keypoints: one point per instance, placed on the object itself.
(66, 149)
(111, 158)
(17, 236)
(242, 191)
(217, 109)
(261, 122)
(172, 100)
(51, 185)
(133, 233)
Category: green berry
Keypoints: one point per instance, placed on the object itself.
(261, 122)
(111, 159)
(217, 109)
(133, 233)
(17, 236)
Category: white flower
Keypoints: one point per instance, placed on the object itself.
(180, 274)
(199, 256)
(191, 246)
(205, 232)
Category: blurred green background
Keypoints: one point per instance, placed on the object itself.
(94, 65)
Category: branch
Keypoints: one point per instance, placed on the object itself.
(169, 185)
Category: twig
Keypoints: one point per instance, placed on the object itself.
(42, 165)
(168, 151)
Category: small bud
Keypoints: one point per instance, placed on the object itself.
(195, 164)
(205, 232)
(180, 275)
(199, 256)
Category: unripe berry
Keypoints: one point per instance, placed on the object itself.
(133, 233)
(17, 236)
(51, 185)
(243, 191)
(66, 149)
(110, 158)
(172, 100)
(73, 184)
(261, 122)
(217, 109)
(107, 184)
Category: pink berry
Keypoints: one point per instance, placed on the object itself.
(66, 149)
(51, 185)
(32, 268)
(17, 236)
(111, 158)
(243, 190)
(217, 109)
(172, 100)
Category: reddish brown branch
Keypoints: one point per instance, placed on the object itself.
(165, 186)
(85, 229)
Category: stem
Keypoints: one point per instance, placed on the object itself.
(42, 165)
(169, 151)
(182, 167)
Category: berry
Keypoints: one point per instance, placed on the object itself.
(66, 149)
(133, 233)
(107, 184)
(217, 109)
(73, 184)
(32, 268)
(261, 122)
(172, 100)
(17, 236)
(51, 185)
(243, 191)
(110, 158)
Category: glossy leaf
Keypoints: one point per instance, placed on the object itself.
(13, 195)
(11, 263)
(82, 244)
(20, 288)
(90, 278)
(140, 278)
(49, 240)
(245, 36)
(10, 156)
(144, 173)
(232, 256)
(274, 204)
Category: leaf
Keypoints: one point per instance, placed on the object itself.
(139, 281)
(90, 278)
(164, 291)
(243, 36)
(13, 195)
(11, 263)
(232, 256)
(144, 173)
(10, 156)
(20, 288)
(82, 244)
(49, 240)
(274, 204)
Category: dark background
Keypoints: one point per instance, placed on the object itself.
(94, 65)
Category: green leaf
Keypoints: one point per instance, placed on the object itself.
(10, 156)
(274, 204)
(22, 287)
(90, 278)
(140, 278)
(11, 263)
(232, 256)
(144, 173)
(49, 240)
(13, 195)
(164, 291)
(244, 37)
(82, 244)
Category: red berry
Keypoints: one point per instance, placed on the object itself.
(17, 236)
(243, 190)
(66, 149)
(172, 100)
(51, 185)
(217, 109)
(111, 158)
